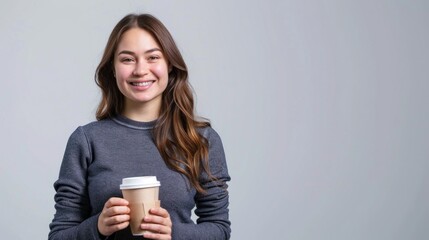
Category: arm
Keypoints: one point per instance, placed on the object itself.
(212, 207)
(72, 219)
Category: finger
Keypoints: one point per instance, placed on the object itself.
(119, 226)
(166, 221)
(159, 212)
(107, 226)
(118, 219)
(115, 201)
(117, 210)
(156, 235)
(156, 220)
(156, 228)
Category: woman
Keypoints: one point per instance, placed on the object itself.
(146, 126)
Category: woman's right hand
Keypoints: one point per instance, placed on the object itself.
(114, 217)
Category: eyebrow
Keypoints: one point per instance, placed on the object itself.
(132, 53)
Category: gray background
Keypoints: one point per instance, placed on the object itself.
(322, 107)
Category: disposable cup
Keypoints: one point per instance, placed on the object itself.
(142, 193)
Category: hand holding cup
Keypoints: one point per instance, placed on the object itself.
(114, 216)
(157, 224)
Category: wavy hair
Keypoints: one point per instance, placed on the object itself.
(175, 133)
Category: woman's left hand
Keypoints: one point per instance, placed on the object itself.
(158, 223)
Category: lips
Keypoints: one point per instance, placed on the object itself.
(142, 83)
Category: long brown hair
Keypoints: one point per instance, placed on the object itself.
(175, 134)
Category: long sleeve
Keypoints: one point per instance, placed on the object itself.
(100, 154)
(72, 219)
(211, 207)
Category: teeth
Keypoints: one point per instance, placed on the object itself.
(141, 84)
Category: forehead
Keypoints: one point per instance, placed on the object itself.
(136, 40)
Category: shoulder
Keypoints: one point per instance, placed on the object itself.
(82, 137)
(209, 133)
(91, 129)
(213, 138)
(96, 127)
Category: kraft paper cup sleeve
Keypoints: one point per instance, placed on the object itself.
(136, 216)
(148, 205)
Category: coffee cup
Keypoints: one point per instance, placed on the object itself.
(142, 193)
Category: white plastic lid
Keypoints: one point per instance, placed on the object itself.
(139, 182)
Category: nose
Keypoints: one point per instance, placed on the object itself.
(141, 68)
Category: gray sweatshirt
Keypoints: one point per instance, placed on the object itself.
(100, 154)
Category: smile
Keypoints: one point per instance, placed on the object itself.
(141, 84)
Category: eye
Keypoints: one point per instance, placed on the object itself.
(127, 60)
(153, 58)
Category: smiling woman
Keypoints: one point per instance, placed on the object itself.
(141, 73)
(146, 127)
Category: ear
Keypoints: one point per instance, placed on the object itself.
(170, 67)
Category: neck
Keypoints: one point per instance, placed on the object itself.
(141, 112)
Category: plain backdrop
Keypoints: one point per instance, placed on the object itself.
(322, 107)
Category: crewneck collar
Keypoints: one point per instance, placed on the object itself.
(124, 121)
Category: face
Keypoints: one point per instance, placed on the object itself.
(141, 70)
